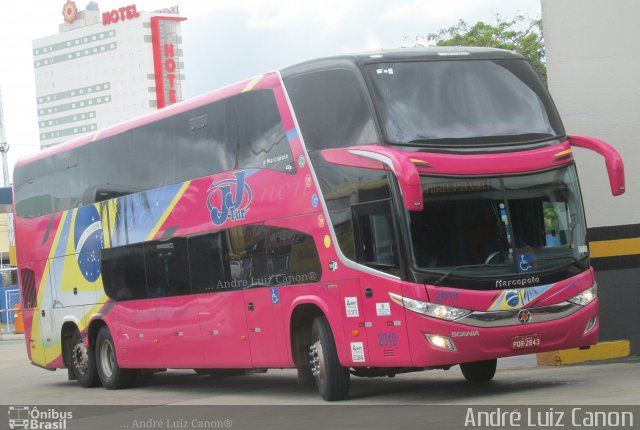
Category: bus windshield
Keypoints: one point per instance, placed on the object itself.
(465, 102)
(500, 225)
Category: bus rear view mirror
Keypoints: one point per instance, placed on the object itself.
(613, 161)
(380, 158)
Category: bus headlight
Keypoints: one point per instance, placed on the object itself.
(442, 312)
(442, 342)
(586, 297)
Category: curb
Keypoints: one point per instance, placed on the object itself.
(597, 352)
(11, 336)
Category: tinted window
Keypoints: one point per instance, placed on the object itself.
(344, 187)
(292, 257)
(247, 255)
(167, 265)
(153, 148)
(105, 169)
(32, 193)
(206, 145)
(375, 239)
(123, 272)
(471, 101)
(208, 263)
(238, 132)
(260, 136)
(331, 108)
(240, 257)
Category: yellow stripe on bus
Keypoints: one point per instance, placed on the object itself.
(166, 213)
(252, 84)
(614, 248)
(565, 152)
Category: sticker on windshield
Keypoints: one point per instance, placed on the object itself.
(388, 71)
(525, 262)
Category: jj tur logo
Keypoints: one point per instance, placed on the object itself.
(32, 418)
(229, 199)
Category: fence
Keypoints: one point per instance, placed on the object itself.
(10, 298)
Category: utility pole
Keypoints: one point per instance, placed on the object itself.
(4, 148)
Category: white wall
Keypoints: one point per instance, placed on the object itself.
(593, 61)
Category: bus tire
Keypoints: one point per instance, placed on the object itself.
(479, 371)
(331, 378)
(113, 377)
(82, 361)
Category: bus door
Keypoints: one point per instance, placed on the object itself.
(221, 309)
(260, 285)
(266, 327)
(169, 288)
(224, 331)
(376, 244)
(179, 331)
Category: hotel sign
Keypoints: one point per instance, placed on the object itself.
(121, 14)
(166, 59)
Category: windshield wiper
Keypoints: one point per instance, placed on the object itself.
(575, 261)
(468, 266)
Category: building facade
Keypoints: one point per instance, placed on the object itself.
(593, 63)
(104, 67)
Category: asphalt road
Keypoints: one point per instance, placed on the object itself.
(518, 381)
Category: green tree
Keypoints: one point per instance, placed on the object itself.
(520, 34)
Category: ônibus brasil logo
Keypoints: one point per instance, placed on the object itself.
(229, 199)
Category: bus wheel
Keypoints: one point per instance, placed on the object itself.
(479, 371)
(112, 376)
(83, 363)
(331, 378)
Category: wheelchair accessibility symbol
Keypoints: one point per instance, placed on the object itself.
(524, 264)
(275, 296)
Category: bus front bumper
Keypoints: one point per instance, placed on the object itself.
(484, 336)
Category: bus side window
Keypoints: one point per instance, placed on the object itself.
(376, 243)
(247, 255)
(254, 121)
(123, 272)
(167, 268)
(331, 107)
(292, 257)
(208, 263)
(206, 146)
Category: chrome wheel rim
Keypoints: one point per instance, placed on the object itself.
(317, 361)
(80, 358)
(107, 358)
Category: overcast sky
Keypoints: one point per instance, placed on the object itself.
(226, 41)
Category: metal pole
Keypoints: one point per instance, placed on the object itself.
(4, 148)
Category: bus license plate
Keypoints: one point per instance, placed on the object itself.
(523, 342)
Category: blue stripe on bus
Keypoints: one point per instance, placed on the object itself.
(292, 134)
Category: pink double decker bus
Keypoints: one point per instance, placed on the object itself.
(364, 215)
